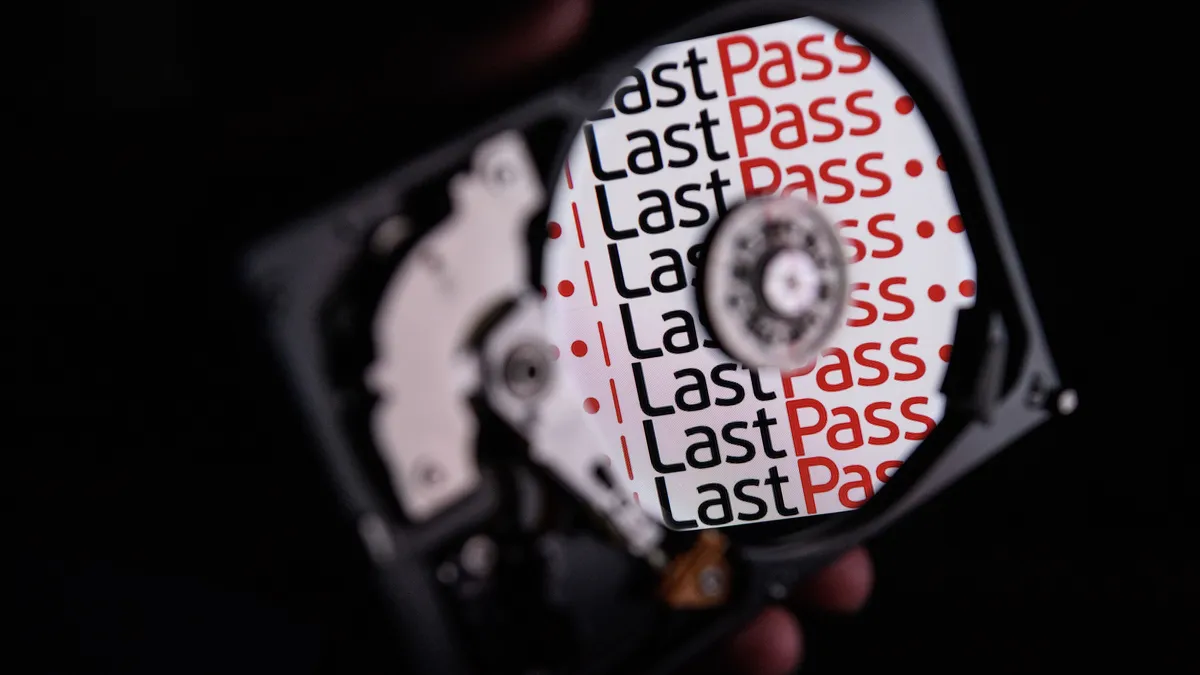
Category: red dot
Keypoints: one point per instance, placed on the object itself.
(967, 288)
(925, 229)
(937, 293)
(941, 163)
(944, 352)
(554, 352)
(543, 289)
(579, 348)
(913, 167)
(554, 230)
(955, 224)
(591, 406)
(566, 288)
(904, 105)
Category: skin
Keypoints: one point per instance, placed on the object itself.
(772, 644)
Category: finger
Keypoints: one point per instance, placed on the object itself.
(772, 644)
(842, 587)
(457, 67)
(551, 27)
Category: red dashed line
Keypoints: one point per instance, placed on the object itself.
(612, 384)
(591, 286)
(628, 464)
(603, 344)
(570, 183)
(578, 226)
(637, 500)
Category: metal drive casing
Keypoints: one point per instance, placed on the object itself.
(323, 282)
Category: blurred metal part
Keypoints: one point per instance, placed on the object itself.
(474, 260)
(553, 423)
(775, 283)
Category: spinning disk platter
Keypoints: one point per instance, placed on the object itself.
(709, 136)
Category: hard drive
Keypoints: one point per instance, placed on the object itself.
(603, 376)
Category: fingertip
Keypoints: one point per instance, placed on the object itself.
(548, 29)
(844, 586)
(772, 644)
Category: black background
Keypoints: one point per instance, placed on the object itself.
(167, 523)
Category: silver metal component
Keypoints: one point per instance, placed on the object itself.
(426, 372)
(478, 556)
(711, 581)
(428, 472)
(1068, 401)
(376, 537)
(553, 424)
(527, 369)
(467, 265)
(790, 280)
(776, 282)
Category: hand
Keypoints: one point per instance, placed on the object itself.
(773, 644)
